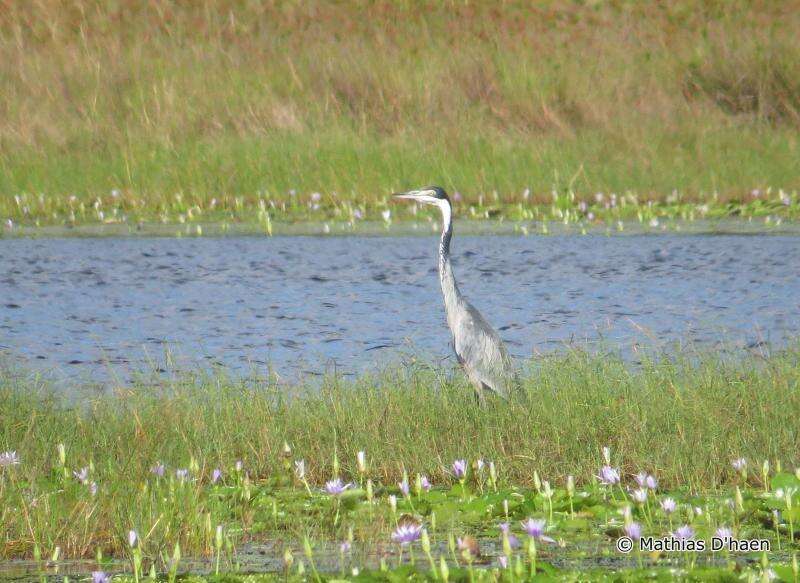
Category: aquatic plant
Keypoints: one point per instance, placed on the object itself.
(9, 458)
(336, 487)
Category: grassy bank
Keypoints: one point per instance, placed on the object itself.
(164, 111)
(682, 421)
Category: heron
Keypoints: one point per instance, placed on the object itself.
(478, 347)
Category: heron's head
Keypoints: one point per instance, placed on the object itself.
(429, 195)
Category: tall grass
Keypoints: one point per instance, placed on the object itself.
(223, 100)
(683, 420)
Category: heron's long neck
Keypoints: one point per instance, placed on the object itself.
(450, 289)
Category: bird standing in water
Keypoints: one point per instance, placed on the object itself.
(478, 347)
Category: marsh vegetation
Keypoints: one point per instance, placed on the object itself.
(176, 461)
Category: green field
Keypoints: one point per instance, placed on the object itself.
(85, 473)
(235, 111)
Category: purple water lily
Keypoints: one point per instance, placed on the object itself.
(460, 468)
(100, 577)
(182, 474)
(633, 530)
(8, 458)
(668, 505)
(645, 480)
(82, 475)
(684, 532)
(609, 476)
(724, 533)
(336, 487)
(425, 483)
(216, 475)
(158, 470)
(404, 488)
(739, 464)
(505, 529)
(536, 529)
(405, 534)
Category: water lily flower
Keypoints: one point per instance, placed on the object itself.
(316, 196)
(460, 468)
(425, 483)
(93, 488)
(9, 458)
(535, 529)
(633, 530)
(336, 487)
(345, 547)
(609, 476)
(405, 534)
(739, 464)
(645, 480)
(639, 496)
(503, 561)
(239, 465)
(216, 475)
(300, 469)
(387, 215)
(404, 488)
(505, 529)
(724, 533)
(685, 532)
(668, 505)
(181, 474)
(100, 577)
(361, 460)
(132, 538)
(82, 476)
(159, 469)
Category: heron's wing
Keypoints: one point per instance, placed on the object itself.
(480, 350)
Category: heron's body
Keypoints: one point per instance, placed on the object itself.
(478, 347)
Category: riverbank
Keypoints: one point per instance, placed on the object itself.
(159, 112)
(774, 219)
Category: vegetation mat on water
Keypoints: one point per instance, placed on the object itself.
(371, 472)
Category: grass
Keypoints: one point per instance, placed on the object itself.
(215, 109)
(681, 419)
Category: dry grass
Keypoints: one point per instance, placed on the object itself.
(235, 97)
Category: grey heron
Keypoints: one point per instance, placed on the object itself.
(478, 348)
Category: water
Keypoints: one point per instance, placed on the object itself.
(97, 309)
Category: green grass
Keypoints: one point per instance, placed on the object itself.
(241, 103)
(682, 419)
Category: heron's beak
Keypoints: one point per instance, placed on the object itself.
(411, 194)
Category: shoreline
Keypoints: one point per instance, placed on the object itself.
(374, 228)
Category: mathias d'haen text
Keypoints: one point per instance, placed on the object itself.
(730, 544)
